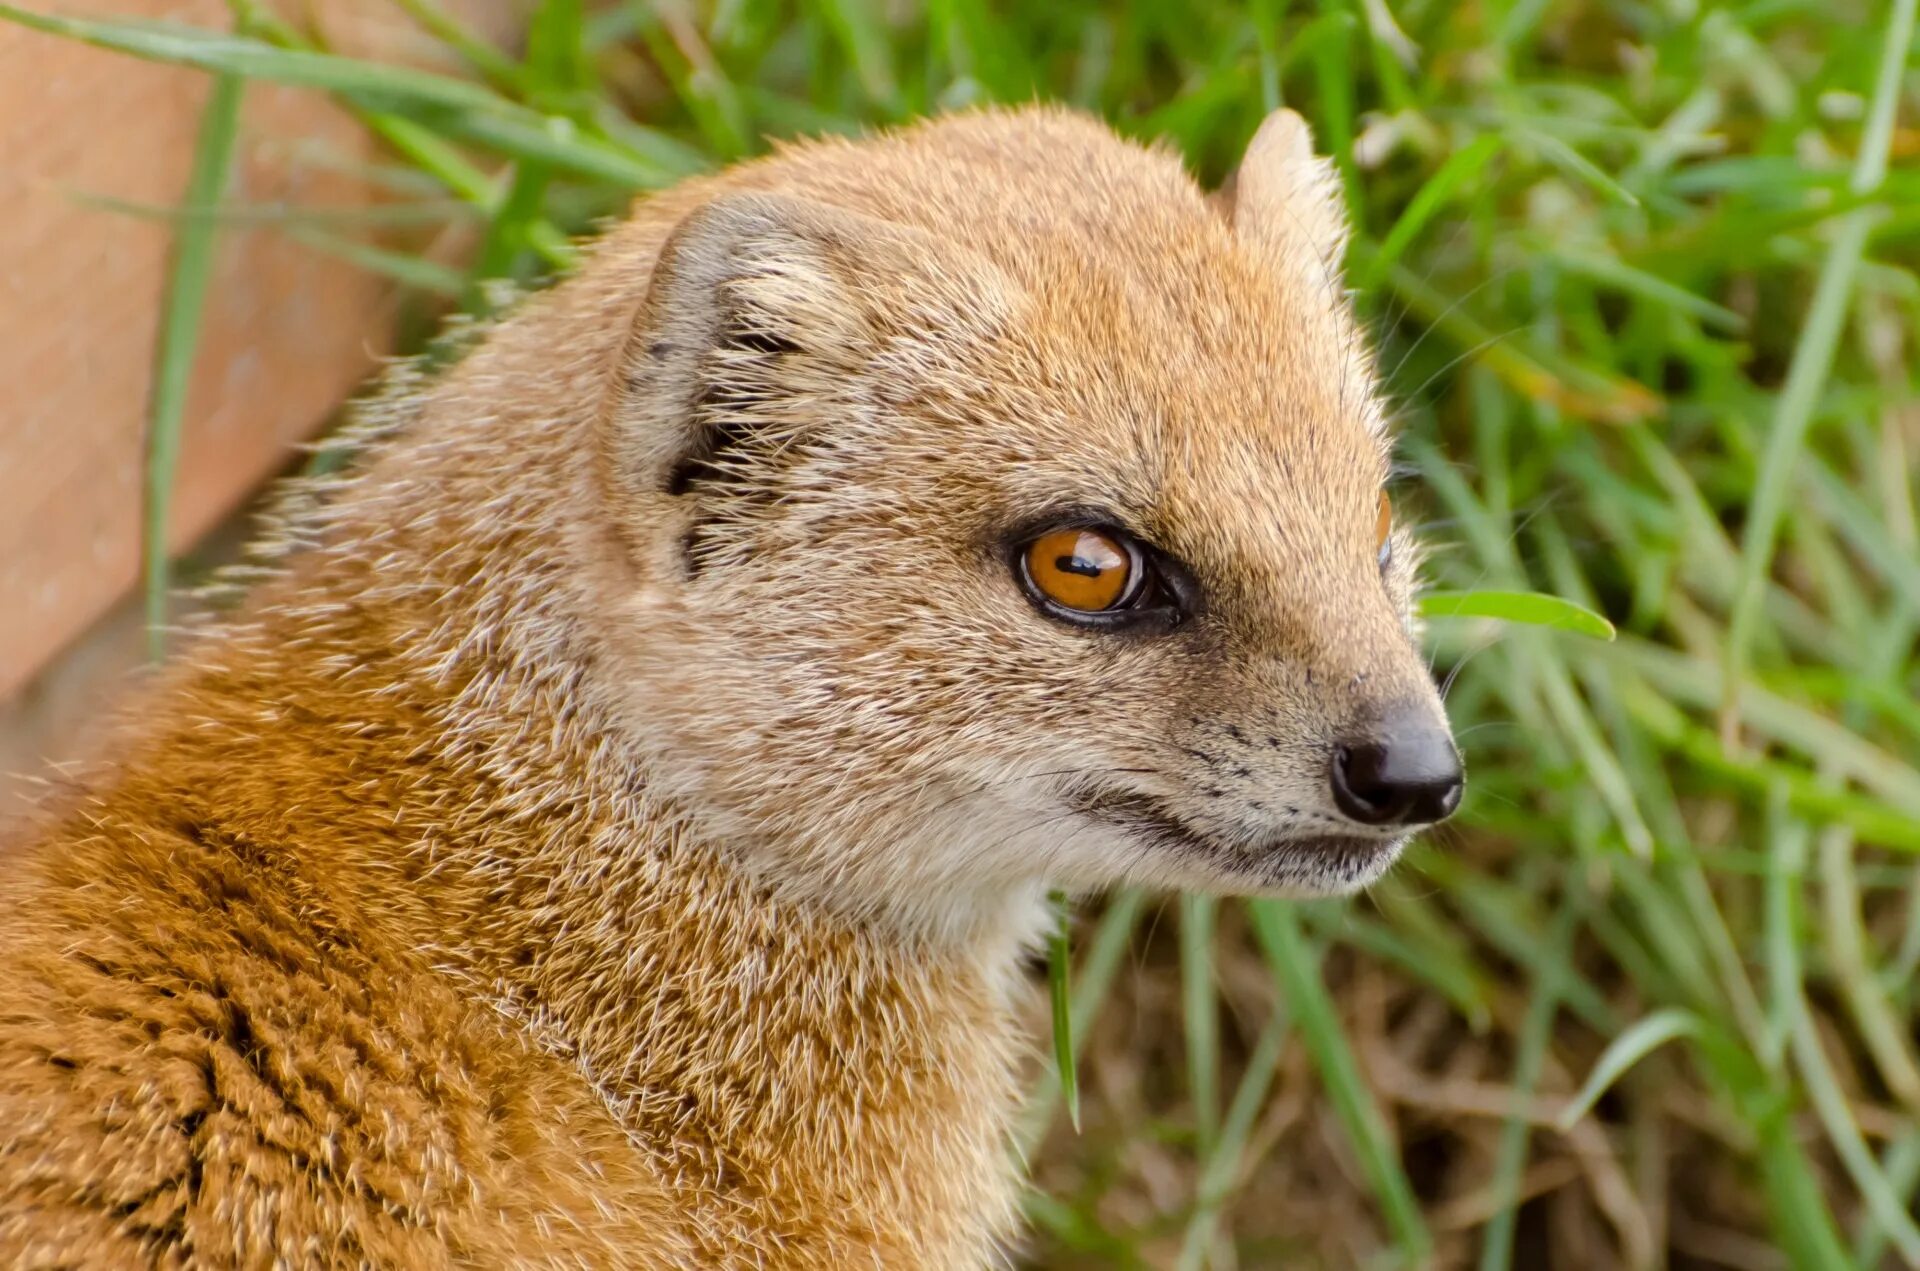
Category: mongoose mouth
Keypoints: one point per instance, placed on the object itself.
(1320, 864)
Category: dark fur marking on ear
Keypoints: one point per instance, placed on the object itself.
(680, 478)
(729, 435)
(660, 349)
(725, 405)
(718, 406)
(759, 340)
(704, 471)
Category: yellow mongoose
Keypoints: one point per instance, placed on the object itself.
(610, 836)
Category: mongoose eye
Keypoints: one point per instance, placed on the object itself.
(1083, 570)
(1093, 575)
(1383, 531)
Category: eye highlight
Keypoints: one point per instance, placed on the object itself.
(1083, 570)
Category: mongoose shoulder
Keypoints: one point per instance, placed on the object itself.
(611, 832)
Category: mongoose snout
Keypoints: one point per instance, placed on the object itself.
(1404, 771)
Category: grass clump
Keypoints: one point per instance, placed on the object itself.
(1643, 280)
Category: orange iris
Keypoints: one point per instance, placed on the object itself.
(1080, 569)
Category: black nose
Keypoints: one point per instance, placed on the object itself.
(1405, 773)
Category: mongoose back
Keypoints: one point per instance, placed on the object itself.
(610, 833)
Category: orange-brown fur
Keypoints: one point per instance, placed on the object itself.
(511, 883)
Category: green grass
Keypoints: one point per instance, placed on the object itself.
(1643, 281)
(189, 273)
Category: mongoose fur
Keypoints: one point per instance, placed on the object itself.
(610, 833)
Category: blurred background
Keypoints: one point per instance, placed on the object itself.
(1644, 277)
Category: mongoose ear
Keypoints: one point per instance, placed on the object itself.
(1287, 200)
(764, 315)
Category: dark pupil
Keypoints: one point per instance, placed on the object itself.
(1077, 565)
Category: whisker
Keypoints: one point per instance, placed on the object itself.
(1465, 355)
(1499, 275)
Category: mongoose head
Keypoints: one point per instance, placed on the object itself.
(1003, 512)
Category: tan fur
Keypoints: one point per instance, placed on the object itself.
(573, 856)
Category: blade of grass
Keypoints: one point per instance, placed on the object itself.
(1226, 1161)
(1785, 885)
(1531, 608)
(1797, 1212)
(1059, 982)
(862, 37)
(475, 50)
(1640, 1039)
(1887, 1036)
(1098, 966)
(189, 272)
(1296, 966)
(1200, 1010)
(556, 50)
(1698, 683)
(249, 58)
(1611, 271)
(1432, 963)
(510, 233)
(698, 78)
(1331, 59)
(1805, 792)
(1902, 1166)
(1510, 921)
(415, 142)
(1572, 163)
(412, 271)
(1265, 15)
(1461, 168)
(1510, 1159)
(1543, 673)
(459, 107)
(431, 212)
(1078, 1231)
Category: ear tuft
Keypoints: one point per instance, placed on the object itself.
(1287, 201)
(742, 284)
